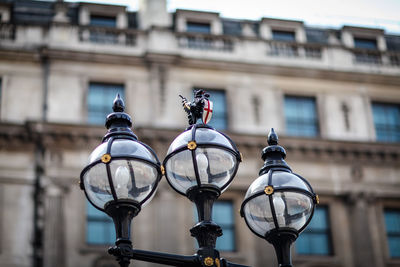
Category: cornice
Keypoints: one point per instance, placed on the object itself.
(35, 54)
(80, 137)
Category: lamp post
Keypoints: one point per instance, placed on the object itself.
(279, 204)
(123, 174)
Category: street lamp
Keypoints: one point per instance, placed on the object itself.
(123, 174)
(279, 204)
(200, 164)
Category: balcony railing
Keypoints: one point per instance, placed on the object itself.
(394, 59)
(364, 56)
(105, 35)
(290, 50)
(7, 31)
(205, 42)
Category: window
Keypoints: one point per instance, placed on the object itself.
(387, 121)
(392, 222)
(102, 21)
(364, 43)
(100, 100)
(223, 215)
(99, 227)
(198, 27)
(287, 36)
(301, 116)
(219, 117)
(316, 238)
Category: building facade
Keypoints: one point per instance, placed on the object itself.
(332, 95)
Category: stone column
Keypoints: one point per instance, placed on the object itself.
(54, 246)
(360, 230)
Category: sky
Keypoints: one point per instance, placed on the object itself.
(383, 14)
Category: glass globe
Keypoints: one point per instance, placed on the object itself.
(121, 169)
(278, 199)
(200, 157)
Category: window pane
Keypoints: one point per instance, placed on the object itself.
(103, 21)
(387, 121)
(223, 216)
(301, 116)
(365, 43)
(315, 240)
(100, 100)
(283, 36)
(99, 227)
(219, 118)
(198, 27)
(392, 222)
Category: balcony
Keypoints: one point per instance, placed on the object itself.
(294, 50)
(7, 31)
(365, 56)
(205, 42)
(107, 36)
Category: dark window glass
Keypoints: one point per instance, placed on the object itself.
(103, 21)
(316, 238)
(198, 27)
(387, 122)
(365, 43)
(223, 215)
(100, 100)
(219, 119)
(392, 222)
(283, 36)
(99, 227)
(301, 116)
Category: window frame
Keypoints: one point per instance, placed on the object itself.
(232, 226)
(386, 234)
(99, 17)
(317, 121)
(327, 232)
(198, 25)
(102, 218)
(225, 114)
(109, 103)
(383, 103)
(283, 32)
(365, 40)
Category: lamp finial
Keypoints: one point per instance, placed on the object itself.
(272, 138)
(118, 104)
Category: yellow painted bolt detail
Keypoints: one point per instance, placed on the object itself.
(317, 199)
(269, 190)
(162, 170)
(208, 261)
(192, 145)
(106, 158)
(217, 263)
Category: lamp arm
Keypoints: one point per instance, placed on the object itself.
(226, 263)
(124, 253)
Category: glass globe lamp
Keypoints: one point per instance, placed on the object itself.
(279, 204)
(201, 157)
(122, 174)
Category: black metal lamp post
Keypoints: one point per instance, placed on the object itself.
(200, 164)
(279, 204)
(123, 174)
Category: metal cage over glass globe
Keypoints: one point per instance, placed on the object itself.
(121, 169)
(279, 204)
(201, 157)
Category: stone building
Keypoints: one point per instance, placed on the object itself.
(333, 96)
